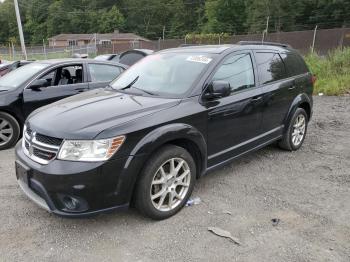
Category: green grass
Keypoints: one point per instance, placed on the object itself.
(332, 72)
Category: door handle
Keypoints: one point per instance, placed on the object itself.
(293, 85)
(256, 98)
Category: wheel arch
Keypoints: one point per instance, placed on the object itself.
(301, 101)
(18, 119)
(182, 135)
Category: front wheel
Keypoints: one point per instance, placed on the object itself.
(295, 135)
(9, 131)
(166, 183)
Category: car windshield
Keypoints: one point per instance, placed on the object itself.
(19, 76)
(167, 74)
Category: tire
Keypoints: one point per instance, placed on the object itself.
(289, 141)
(153, 182)
(9, 131)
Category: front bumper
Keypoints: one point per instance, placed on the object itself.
(75, 189)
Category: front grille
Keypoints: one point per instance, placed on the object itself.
(49, 140)
(43, 154)
(39, 147)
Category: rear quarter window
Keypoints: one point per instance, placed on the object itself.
(270, 67)
(295, 64)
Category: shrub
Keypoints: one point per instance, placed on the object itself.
(332, 71)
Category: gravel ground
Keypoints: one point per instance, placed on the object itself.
(308, 190)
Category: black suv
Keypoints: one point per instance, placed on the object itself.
(162, 124)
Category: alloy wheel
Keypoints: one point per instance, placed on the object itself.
(299, 128)
(170, 184)
(6, 132)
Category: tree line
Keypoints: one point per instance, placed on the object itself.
(175, 18)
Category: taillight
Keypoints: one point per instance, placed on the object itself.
(313, 79)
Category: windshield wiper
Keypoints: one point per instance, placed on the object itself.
(131, 84)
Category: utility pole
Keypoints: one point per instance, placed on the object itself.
(19, 22)
(163, 33)
(266, 30)
(95, 36)
(44, 49)
(314, 40)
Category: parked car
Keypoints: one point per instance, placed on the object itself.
(82, 56)
(43, 82)
(164, 123)
(108, 57)
(130, 57)
(10, 66)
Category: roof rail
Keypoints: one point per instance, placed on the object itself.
(263, 43)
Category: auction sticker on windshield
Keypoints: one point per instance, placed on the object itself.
(199, 59)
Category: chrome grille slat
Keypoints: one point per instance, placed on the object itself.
(42, 151)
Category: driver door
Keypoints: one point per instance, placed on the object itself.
(61, 82)
(234, 121)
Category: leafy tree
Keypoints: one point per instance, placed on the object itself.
(225, 16)
(44, 18)
(8, 22)
(36, 17)
(281, 15)
(111, 20)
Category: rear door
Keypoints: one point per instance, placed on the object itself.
(100, 75)
(62, 82)
(277, 88)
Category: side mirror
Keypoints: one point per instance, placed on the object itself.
(39, 83)
(218, 89)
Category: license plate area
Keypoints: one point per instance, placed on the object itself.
(22, 172)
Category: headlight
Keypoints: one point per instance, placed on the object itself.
(90, 150)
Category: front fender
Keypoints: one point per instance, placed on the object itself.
(154, 140)
(168, 133)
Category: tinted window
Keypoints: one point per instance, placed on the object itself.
(295, 65)
(130, 58)
(238, 71)
(270, 67)
(103, 73)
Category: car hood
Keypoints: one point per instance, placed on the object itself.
(86, 115)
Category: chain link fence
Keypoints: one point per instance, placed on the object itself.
(14, 53)
(321, 41)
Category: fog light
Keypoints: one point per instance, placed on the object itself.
(70, 203)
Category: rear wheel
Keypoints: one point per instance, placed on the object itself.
(9, 131)
(295, 135)
(166, 183)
